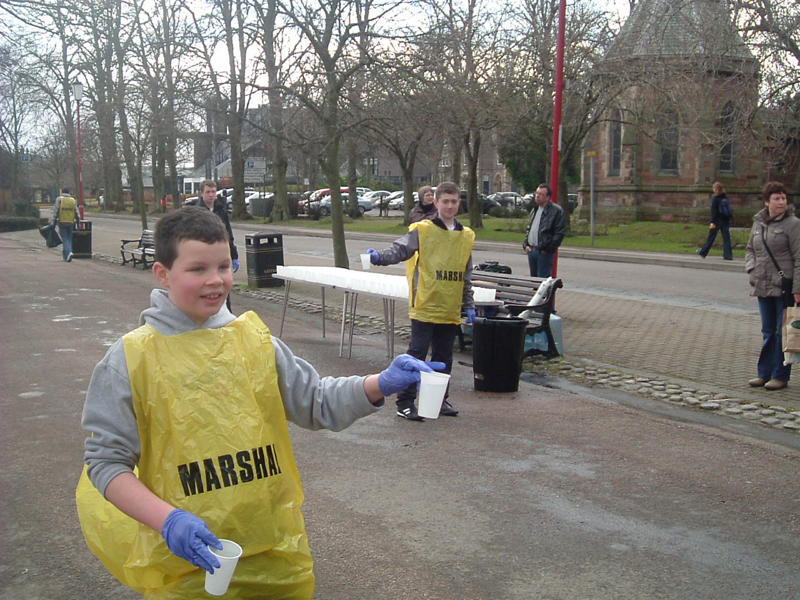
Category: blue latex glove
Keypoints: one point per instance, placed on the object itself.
(374, 256)
(403, 372)
(471, 315)
(188, 536)
(236, 265)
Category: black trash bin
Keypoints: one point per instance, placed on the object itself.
(497, 349)
(82, 240)
(264, 254)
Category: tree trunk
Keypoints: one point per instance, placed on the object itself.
(352, 177)
(456, 144)
(331, 170)
(472, 147)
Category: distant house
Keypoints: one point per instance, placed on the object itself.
(683, 90)
(492, 173)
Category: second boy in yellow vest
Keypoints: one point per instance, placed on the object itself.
(439, 270)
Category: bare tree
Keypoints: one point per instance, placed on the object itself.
(333, 35)
(16, 114)
(468, 47)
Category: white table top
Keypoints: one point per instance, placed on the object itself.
(363, 282)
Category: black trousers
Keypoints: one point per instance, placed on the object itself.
(439, 338)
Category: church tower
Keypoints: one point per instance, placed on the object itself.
(681, 90)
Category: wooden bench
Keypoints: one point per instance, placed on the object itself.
(515, 291)
(144, 250)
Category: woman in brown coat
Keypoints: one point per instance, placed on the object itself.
(425, 208)
(775, 230)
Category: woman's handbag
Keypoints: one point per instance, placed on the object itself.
(790, 336)
(786, 284)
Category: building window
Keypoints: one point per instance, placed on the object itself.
(668, 140)
(727, 132)
(615, 143)
(445, 163)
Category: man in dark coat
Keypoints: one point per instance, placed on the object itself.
(547, 226)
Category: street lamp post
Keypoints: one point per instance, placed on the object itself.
(77, 91)
(555, 160)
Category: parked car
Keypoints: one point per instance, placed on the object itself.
(487, 204)
(376, 197)
(324, 205)
(508, 199)
(228, 195)
(396, 200)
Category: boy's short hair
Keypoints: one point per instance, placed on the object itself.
(208, 183)
(446, 187)
(772, 187)
(188, 223)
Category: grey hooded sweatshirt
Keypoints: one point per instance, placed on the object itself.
(113, 446)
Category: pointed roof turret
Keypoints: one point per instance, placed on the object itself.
(680, 29)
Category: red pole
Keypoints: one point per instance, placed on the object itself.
(80, 164)
(555, 159)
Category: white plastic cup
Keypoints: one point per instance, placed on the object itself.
(432, 387)
(217, 582)
(366, 263)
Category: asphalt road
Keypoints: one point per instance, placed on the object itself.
(544, 493)
(698, 288)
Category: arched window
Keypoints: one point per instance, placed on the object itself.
(668, 139)
(614, 143)
(727, 133)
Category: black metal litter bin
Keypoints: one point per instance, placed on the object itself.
(264, 254)
(82, 240)
(497, 349)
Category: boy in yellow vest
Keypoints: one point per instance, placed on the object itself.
(439, 270)
(189, 435)
(65, 215)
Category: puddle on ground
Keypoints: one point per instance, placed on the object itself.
(30, 394)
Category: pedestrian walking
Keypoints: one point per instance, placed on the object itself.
(65, 215)
(773, 264)
(721, 214)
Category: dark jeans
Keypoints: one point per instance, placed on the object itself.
(770, 361)
(439, 338)
(65, 231)
(727, 250)
(540, 263)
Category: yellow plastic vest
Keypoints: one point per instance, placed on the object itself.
(215, 441)
(68, 208)
(436, 273)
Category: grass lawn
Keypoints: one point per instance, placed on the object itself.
(677, 238)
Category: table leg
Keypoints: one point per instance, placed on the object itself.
(285, 303)
(345, 305)
(353, 307)
(392, 302)
(323, 311)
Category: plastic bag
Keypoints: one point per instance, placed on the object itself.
(50, 235)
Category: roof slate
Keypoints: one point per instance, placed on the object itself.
(679, 28)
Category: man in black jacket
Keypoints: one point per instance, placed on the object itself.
(546, 228)
(219, 206)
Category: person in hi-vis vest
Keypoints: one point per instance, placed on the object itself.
(439, 270)
(189, 438)
(65, 215)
